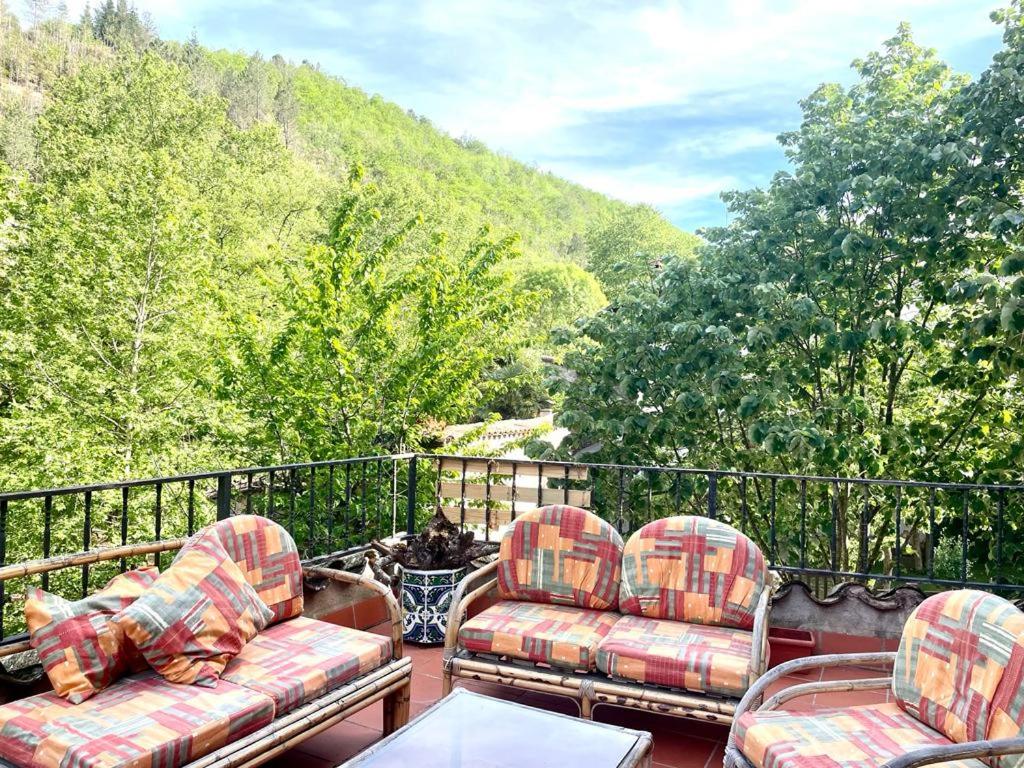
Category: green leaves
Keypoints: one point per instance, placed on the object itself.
(848, 322)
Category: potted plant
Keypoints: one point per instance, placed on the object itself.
(434, 562)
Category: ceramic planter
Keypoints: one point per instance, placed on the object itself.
(426, 598)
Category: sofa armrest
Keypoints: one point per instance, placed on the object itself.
(465, 595)
(344, 577)
(964, 751)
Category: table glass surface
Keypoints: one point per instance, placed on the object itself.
(468, 729)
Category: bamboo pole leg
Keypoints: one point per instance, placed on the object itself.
(446, 681)
(586, 708)
(586, 700)
(396, 708)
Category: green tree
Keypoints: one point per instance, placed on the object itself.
(630, 248)
(558, 293)
(368, 346)
(814, 334)
(149, 199)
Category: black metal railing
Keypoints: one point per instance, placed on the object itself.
(327, 506)
(823, 529)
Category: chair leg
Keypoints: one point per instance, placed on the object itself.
(396, 708)
(586, 708)
(446, 681)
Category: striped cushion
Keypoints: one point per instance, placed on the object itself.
(559, 635)
(692, 569)
(561, 555)
(198, 614)
(300, 659)
(141, 722)
(268, 557)
(1006, 720)
(678, 655)
(851, 737)
(953, 653)
(80, 650)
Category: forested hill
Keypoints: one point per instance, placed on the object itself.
(211, 258)
(460, 181)
(457, 181)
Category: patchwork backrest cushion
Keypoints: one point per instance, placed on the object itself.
(196, 617)
(561, 555)
(266, 555)
(1006, 720)
(954, 653)
(81, 652)
(692, 569)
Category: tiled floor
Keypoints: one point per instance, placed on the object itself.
(677, 743)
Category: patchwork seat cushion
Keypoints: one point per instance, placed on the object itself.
(949, 673)
(852, 737)
(678, 655)
(559, 635)
(300, 659)
(692, 569)
(267, 556)
(563, 556)
(140, 722)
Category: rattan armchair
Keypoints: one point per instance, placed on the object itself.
(924, 692)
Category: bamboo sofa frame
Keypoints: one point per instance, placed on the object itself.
(390, 682)
(587, 689)
(913, 758)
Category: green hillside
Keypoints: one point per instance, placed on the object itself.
(212, 258)
(459, 181)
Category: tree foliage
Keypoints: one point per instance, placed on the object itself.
(858, 317)
(367, 347)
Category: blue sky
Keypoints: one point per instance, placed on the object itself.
(667, 102)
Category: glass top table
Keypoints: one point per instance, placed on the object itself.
(466, 729)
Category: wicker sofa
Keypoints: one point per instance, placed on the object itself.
(295, 678)
(956, 697)
(675, 620)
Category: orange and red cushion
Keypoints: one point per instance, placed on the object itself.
(955, 649)
(851, 737)
(1006, 720)
(674, 654)
(692, 569)
(267, 555)
(563, 556)
(141, 722)
(80, 650)
(198, 615)
(300, 659)
(558, 635)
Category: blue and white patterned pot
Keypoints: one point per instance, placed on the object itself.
(426, 598)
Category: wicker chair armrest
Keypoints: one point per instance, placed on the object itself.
(759, 656)
(825, 686)
(353, 579)
(751, 700)
(463, 597)
(964, 751)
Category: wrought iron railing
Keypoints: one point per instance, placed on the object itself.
(827, 529)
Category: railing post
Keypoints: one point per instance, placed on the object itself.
(712, 495)
(224, 496)
(410, 499)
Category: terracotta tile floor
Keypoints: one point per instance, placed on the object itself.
(678, 743)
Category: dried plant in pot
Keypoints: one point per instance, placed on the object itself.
(434, 562)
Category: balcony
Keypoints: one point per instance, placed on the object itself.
(854, 554)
